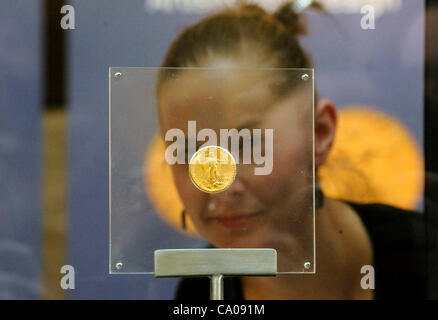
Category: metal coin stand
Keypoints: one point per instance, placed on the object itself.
(215, 264)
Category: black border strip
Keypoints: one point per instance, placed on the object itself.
(431, 152)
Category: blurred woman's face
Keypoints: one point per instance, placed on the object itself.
(256, 210)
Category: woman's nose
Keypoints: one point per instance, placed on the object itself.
(233, 194)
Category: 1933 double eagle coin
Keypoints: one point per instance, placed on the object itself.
(212, 169)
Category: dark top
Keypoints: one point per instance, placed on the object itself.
(400, 256)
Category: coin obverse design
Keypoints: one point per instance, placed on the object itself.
(212, 169)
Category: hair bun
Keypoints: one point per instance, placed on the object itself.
(289, 14)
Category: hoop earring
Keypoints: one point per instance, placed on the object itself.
(319, 197)
(183, 219)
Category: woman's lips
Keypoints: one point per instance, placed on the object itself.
(236, 221)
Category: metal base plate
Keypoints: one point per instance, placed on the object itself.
(208, 262)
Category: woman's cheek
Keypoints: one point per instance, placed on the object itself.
(288, 167)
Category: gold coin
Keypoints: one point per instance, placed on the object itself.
(212, 169)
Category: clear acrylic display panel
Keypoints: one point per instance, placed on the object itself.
(276, 208)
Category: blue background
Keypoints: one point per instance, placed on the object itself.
(20, 148)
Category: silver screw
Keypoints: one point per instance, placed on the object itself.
(305, 77)
(119, 265)
(307, 265)
(117, 75)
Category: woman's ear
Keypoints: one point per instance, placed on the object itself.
(325, 127)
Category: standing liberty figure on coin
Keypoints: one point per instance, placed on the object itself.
(214, 178)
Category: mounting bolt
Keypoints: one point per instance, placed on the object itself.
(307, 265)
(119, 265)
(117, 75)
(305, 77)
